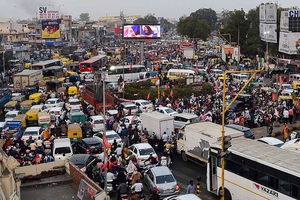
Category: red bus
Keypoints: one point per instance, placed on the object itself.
(93, 63)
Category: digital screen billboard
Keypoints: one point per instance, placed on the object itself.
(140, 32)
(50, 29)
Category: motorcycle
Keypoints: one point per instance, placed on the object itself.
(110, 182)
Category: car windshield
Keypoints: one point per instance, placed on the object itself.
(145, 103)
(144, 152)
(30, 133)
(164, 179)
(244, 77)
(169, 110)
(50, 102)
(112, 137)
(96, 145)
(194, 120)
(62, 150)
(75, 103)
(55, 112)
(287, 87)
(11, 116)
(131, 107)
(248, 133)
(99, 121)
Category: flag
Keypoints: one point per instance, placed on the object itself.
(274, 97)
(130, 68)
(197, 69)
(148, 97)
(159, 62)
(163, 94)
(154, 56)
(105, 142)
(171, 93)
(133, 118)
(217, 85)
(280, 81)
(139, 62)
(105, 161)
(165, 55)
(156, 67)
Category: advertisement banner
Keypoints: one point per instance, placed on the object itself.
(50, 29)
(236, 54)
(49, 12)
(271, 13)
(86, 191)
(262, 31)
(270, 33)
(141, 31)
(289, 43)
(262, 13)
(284, 21)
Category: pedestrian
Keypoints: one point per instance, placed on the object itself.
(291, 115)
(285, 115)
(285, 132)
(191, 189)
(270, 129)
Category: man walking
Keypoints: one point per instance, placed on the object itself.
(191, 189)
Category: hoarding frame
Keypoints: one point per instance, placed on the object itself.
(141, 39)
(48, 12)
(56, 28)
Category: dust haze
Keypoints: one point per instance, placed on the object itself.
(30, 6)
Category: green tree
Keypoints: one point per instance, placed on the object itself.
(7, 56)
(85, 17)
(208, 15)
(148, 19)
(193, 28)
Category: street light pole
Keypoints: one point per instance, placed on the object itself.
(3, 61)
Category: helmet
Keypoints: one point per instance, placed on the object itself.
(137, 180)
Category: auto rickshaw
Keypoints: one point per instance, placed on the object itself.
(77, 117)
(19, 98)
(28, 66)
(62, 79)
(69, 73)
(37, 98)
(29, 90)
(32, 117)
(44, 119)
(74, 132)
(11, 106)
(72, 91)
(62, 90)
(23, 119)
(26, 105)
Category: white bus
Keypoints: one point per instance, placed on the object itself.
(136, 73)
(46, 64)
(240, 78)
(180, 73)
(254, 170)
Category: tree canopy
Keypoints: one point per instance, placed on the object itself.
(85, 17)
(208, 15)
(193, 27)
(148, 19)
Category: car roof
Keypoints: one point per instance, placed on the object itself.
(12, 112)
(75, 158)
(55, 109)
(53, 99)
(183, 197)
(161, 170)
(73, 100)
(238, 127)
(97, 117)
(111, 132)
(143, 145)
(271, 140)
(33, 128)
(141, 100)
(163, 108)
(62, 142)
(91, 140)
(186, 115)
(112, 111)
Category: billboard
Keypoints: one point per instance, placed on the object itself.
(289, 43)
(49, 12)
(50, 29)
(262, 13)
(262, 31)
(271, 13)
(284, 21)
(141, 32)
(271, 34)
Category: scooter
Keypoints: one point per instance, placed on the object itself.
(166, 160)
(110, 181)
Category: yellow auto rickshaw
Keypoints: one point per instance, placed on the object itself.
(11, 106)
(44, 119)
(196, 57)
(28, 66)
(268, 90)
(26, 105)
(32, 117)
(72, 91)
(37, 98)
(62, 79)
(23, 119)
(69, 73)
(74, 132)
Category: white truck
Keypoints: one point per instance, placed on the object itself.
(188, 53)
(157, 123)
(27, 78)
(194, 140)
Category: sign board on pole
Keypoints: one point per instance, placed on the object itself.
(141, 32)
(262, 13)
(271, 34)
(289, 43)
(50, 29)
(284, 21)
(49, 12)
(188, 53)
(271, 13)
(262, 31)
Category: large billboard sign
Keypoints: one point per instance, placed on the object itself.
(49, 12)
(270, 33)
(284, 21)
(141, 32)
(262, 31)
(50, 29)
(271, 13)
(289, 43)
(262, 13)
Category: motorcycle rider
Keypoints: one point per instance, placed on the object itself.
(136, 176)
(152, 160)
(169, 146)
(122, 189)
(137, 188)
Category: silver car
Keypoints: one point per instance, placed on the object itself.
(162, 180)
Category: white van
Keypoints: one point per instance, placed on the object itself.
(11, 115)
(97, 123)
(240, 78)
(180, 72)
(216, 72)
(62, 148)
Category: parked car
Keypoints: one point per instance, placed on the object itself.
(142, 152)
(247, 131)
(97, 123)
(110, 135)
(162, 180)
(144, 105)
(54, 102)
(89, 146)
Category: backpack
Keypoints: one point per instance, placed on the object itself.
(48, 159)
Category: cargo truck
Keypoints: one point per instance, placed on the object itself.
(12, 129)
(27, 78)
(194, 140)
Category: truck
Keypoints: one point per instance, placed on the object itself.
(12, 129)
(157, 123)
(27, 78)
(194, 140)
(4, 97)
(93, 95)
(53, 85)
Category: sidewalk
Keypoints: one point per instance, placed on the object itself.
(277, 131)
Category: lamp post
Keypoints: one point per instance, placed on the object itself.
(266, 34)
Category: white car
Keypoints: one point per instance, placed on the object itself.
(292, 145)
(128, 120)
(11, 115)
(271, 141)
(88, 75)
(112, 86)
(58, 112)
(166, 110)
(54, 102)
(35, 132)
(144, 105)
(73, 103)
(142, 152)
(113, 113)
(62, 148)
(164, 61)
(110, 135)
(127, 106)
(183, 197)
(183, 119)
(97, 123)
(42, 108)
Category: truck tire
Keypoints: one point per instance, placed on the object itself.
(184, 156)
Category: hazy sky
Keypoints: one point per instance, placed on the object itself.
(24, 9)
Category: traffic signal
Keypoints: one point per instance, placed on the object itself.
(279, 71)
(286, 70)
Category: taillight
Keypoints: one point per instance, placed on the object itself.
(87, 151)
(157, 158)
(144, 107)
(80, 105)
(177, 187)
(102, 148)
(130, 178)
(157, 189)
(58, 137)
(140, 160)
(94, 125)
(69, 106)
(59, 113)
